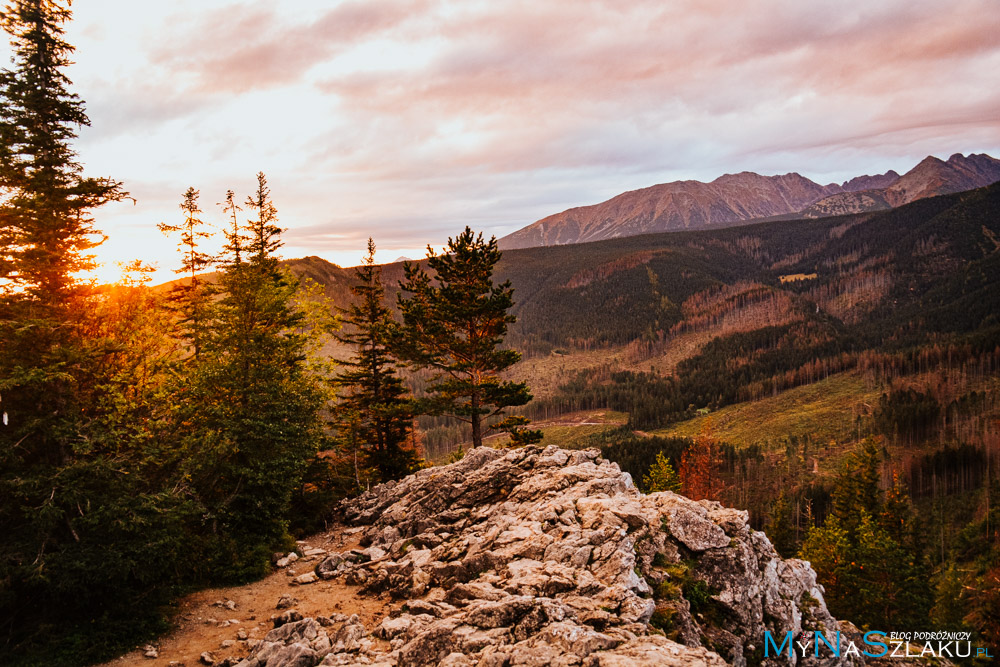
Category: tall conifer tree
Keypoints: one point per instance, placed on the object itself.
(191, 298)
(76, 393)
(375, 406)
(865, 554)
(255, 402)
(45, 232)
(455, 324)
(45, 223)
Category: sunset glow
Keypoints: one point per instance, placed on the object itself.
(408, 119)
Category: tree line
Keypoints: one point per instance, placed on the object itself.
(154, 440)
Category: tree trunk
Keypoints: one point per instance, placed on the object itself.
(477, 427)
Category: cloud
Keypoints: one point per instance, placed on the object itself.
(247, 47)
(406, 119)
(559, 87)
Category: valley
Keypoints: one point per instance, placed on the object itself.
(773, 353)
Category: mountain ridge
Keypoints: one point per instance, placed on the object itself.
(930, 177)
(748, 196)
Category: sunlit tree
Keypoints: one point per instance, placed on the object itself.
(251, 404)
(454, 324)
(76, 399)
(191, 297)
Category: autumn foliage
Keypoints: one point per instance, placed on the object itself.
(700, 467)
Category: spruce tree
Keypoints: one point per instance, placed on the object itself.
(46, 230)
(374, 408)
(253, 421)
(779, 527)
(76, 471)
(191, 298)
(454, 324)
(662, 476)
(865, 553)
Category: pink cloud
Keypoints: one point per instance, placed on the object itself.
(543, 87)
(516, 110)
(237, 50)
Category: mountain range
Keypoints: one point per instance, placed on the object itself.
(736, 198)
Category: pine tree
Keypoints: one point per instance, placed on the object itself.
(253, 421)
(46, 230)
(455, 324)
(779, 526)
(191, 298)
(828, 550)
(77, 470)
(859, 484)
(45, 225)
(236, 240)
(866, 554)
(374, 410)
(662, 476)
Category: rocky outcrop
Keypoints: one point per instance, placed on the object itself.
(551, 557)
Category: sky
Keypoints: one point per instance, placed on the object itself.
(406, 120)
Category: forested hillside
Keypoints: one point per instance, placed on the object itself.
(854, 270)
(893, 317)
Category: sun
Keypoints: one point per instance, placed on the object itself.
(118, 273)
(102, 274)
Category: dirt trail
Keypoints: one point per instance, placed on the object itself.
(201, 625)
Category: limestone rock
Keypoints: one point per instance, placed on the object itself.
(307, 578)
(286, 602)
(538, 556)
(287, 560)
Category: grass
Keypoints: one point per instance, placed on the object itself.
(795, 277)
(571, 437)
(822, 412)
(545, 374)
(571, 431)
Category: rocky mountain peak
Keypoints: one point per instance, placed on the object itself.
(538, 556)
(734, 198)
(933, 176)
(866, 182)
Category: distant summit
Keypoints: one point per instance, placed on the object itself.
(929, 178)
(859, 183)
(735, 198)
